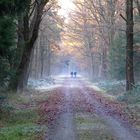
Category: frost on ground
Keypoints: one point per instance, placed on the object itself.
(104, 85)
(48, 83)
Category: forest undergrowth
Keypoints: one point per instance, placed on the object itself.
(115, 90)
(20, 116)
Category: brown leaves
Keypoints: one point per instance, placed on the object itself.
(116, 109)
(51, 109)
(57, 103)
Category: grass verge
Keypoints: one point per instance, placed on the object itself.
(91, 127)
(131, 99)
(19, 117)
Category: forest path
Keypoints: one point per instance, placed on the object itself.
(82, 116)
(64, 128)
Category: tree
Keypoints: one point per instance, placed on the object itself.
(46, 44)
(129, 45)
(28, 27)
(8, 49)
(117, 57)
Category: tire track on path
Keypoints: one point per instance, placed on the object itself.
(64, 128)
(119, 131)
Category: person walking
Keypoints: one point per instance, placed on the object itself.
(75, 73)
(71, 74)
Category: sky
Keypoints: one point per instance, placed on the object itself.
(66, 7)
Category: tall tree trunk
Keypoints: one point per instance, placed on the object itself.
(30, 33)
(20, 46)
(93, 66)
(48, 67)
(42, 60)
(129, 45)
(23, 70)
(104, 62)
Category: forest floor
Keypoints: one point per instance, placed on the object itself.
(73, 109)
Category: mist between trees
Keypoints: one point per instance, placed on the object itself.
(99, 39)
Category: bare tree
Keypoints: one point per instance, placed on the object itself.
(47, 43)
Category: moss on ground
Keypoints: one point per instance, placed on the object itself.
(19, 117)
(21, 132)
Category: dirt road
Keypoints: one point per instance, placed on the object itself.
(77, 112)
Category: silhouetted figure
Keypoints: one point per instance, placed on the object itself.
(75, 73)
(71, 74)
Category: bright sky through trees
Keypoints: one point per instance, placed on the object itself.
(66, 7)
